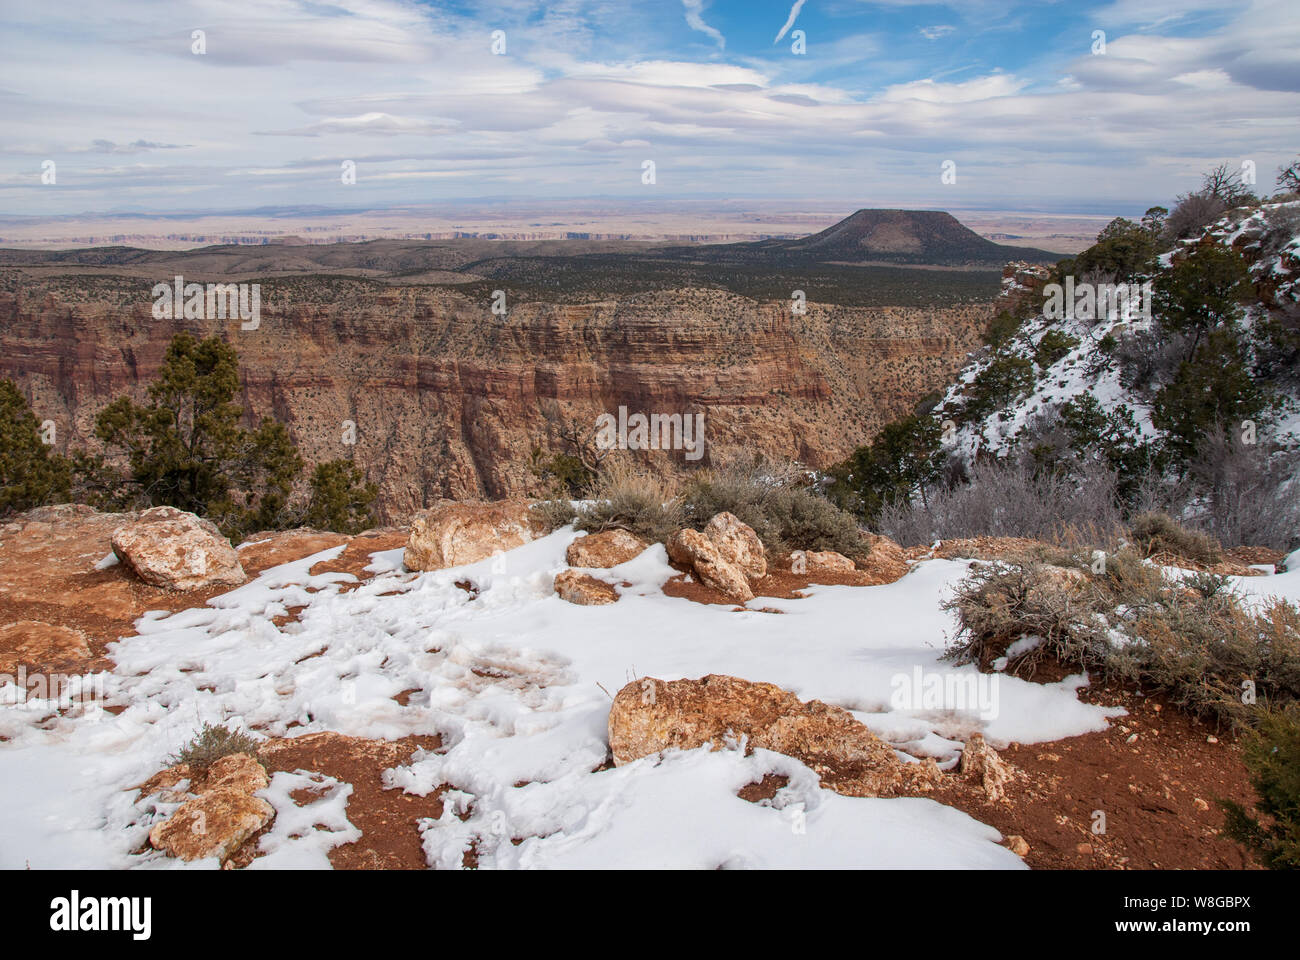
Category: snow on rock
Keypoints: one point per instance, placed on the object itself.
(514, 681)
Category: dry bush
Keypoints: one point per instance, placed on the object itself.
(1133, 624)
(625, 497)
(1007, 498)
(1159, 533)
(209, 745)
(785, 514)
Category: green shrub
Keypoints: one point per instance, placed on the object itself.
(1052, 346)
(1272, 756)
(1002, 329)
(1156, 533)
(209, 745)
(1005, 380)
(341, 499)
(903, 459)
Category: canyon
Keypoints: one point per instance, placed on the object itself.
(390, 354)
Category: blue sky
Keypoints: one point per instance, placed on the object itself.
(1016, 96)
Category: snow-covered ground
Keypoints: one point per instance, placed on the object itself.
(517, 682)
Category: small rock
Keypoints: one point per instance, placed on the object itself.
(170, 548)
(584, 589)
(238, 771)
(170, 785)
(606, 549)
(1018, 845)
(1132, 738)
(1085, 849)
(1211, 739)
(981, 762)
(738, 543)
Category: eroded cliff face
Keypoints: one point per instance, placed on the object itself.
(449, 400)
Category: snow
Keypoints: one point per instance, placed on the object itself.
(517, 682)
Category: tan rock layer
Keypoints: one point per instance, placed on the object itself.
(449, 401)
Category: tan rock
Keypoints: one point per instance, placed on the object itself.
(170, 548)
(165, 783)
(455, 533)
(1018, 845)
(211, 825)
(584, 589)
(37, 643)
(651, 715)
(820, 561)
(738, 543)
(692, 549)
(238, 771)
(606, 549)
(886, 562)
(981, 763)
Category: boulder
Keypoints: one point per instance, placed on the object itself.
(606, 549)
(813, 562)
(738, 543)
(692, 549)
(455, 533)
(170, 548)
(584, 589)
(651, 715)
(213, 824)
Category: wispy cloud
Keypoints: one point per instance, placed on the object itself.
(789, 21)
(695, 20)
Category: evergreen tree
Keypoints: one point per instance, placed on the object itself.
(31, 475)
(341, 498)
(186, 446)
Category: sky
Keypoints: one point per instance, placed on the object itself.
(1025, 105)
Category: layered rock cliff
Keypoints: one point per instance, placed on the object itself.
(449, 400)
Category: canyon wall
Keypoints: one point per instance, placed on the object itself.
(450, 400)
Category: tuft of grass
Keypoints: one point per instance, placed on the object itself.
(785, 515)
(209, 745)
(623, 497)
(1156, 533)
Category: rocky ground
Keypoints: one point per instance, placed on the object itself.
(1155, 773)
